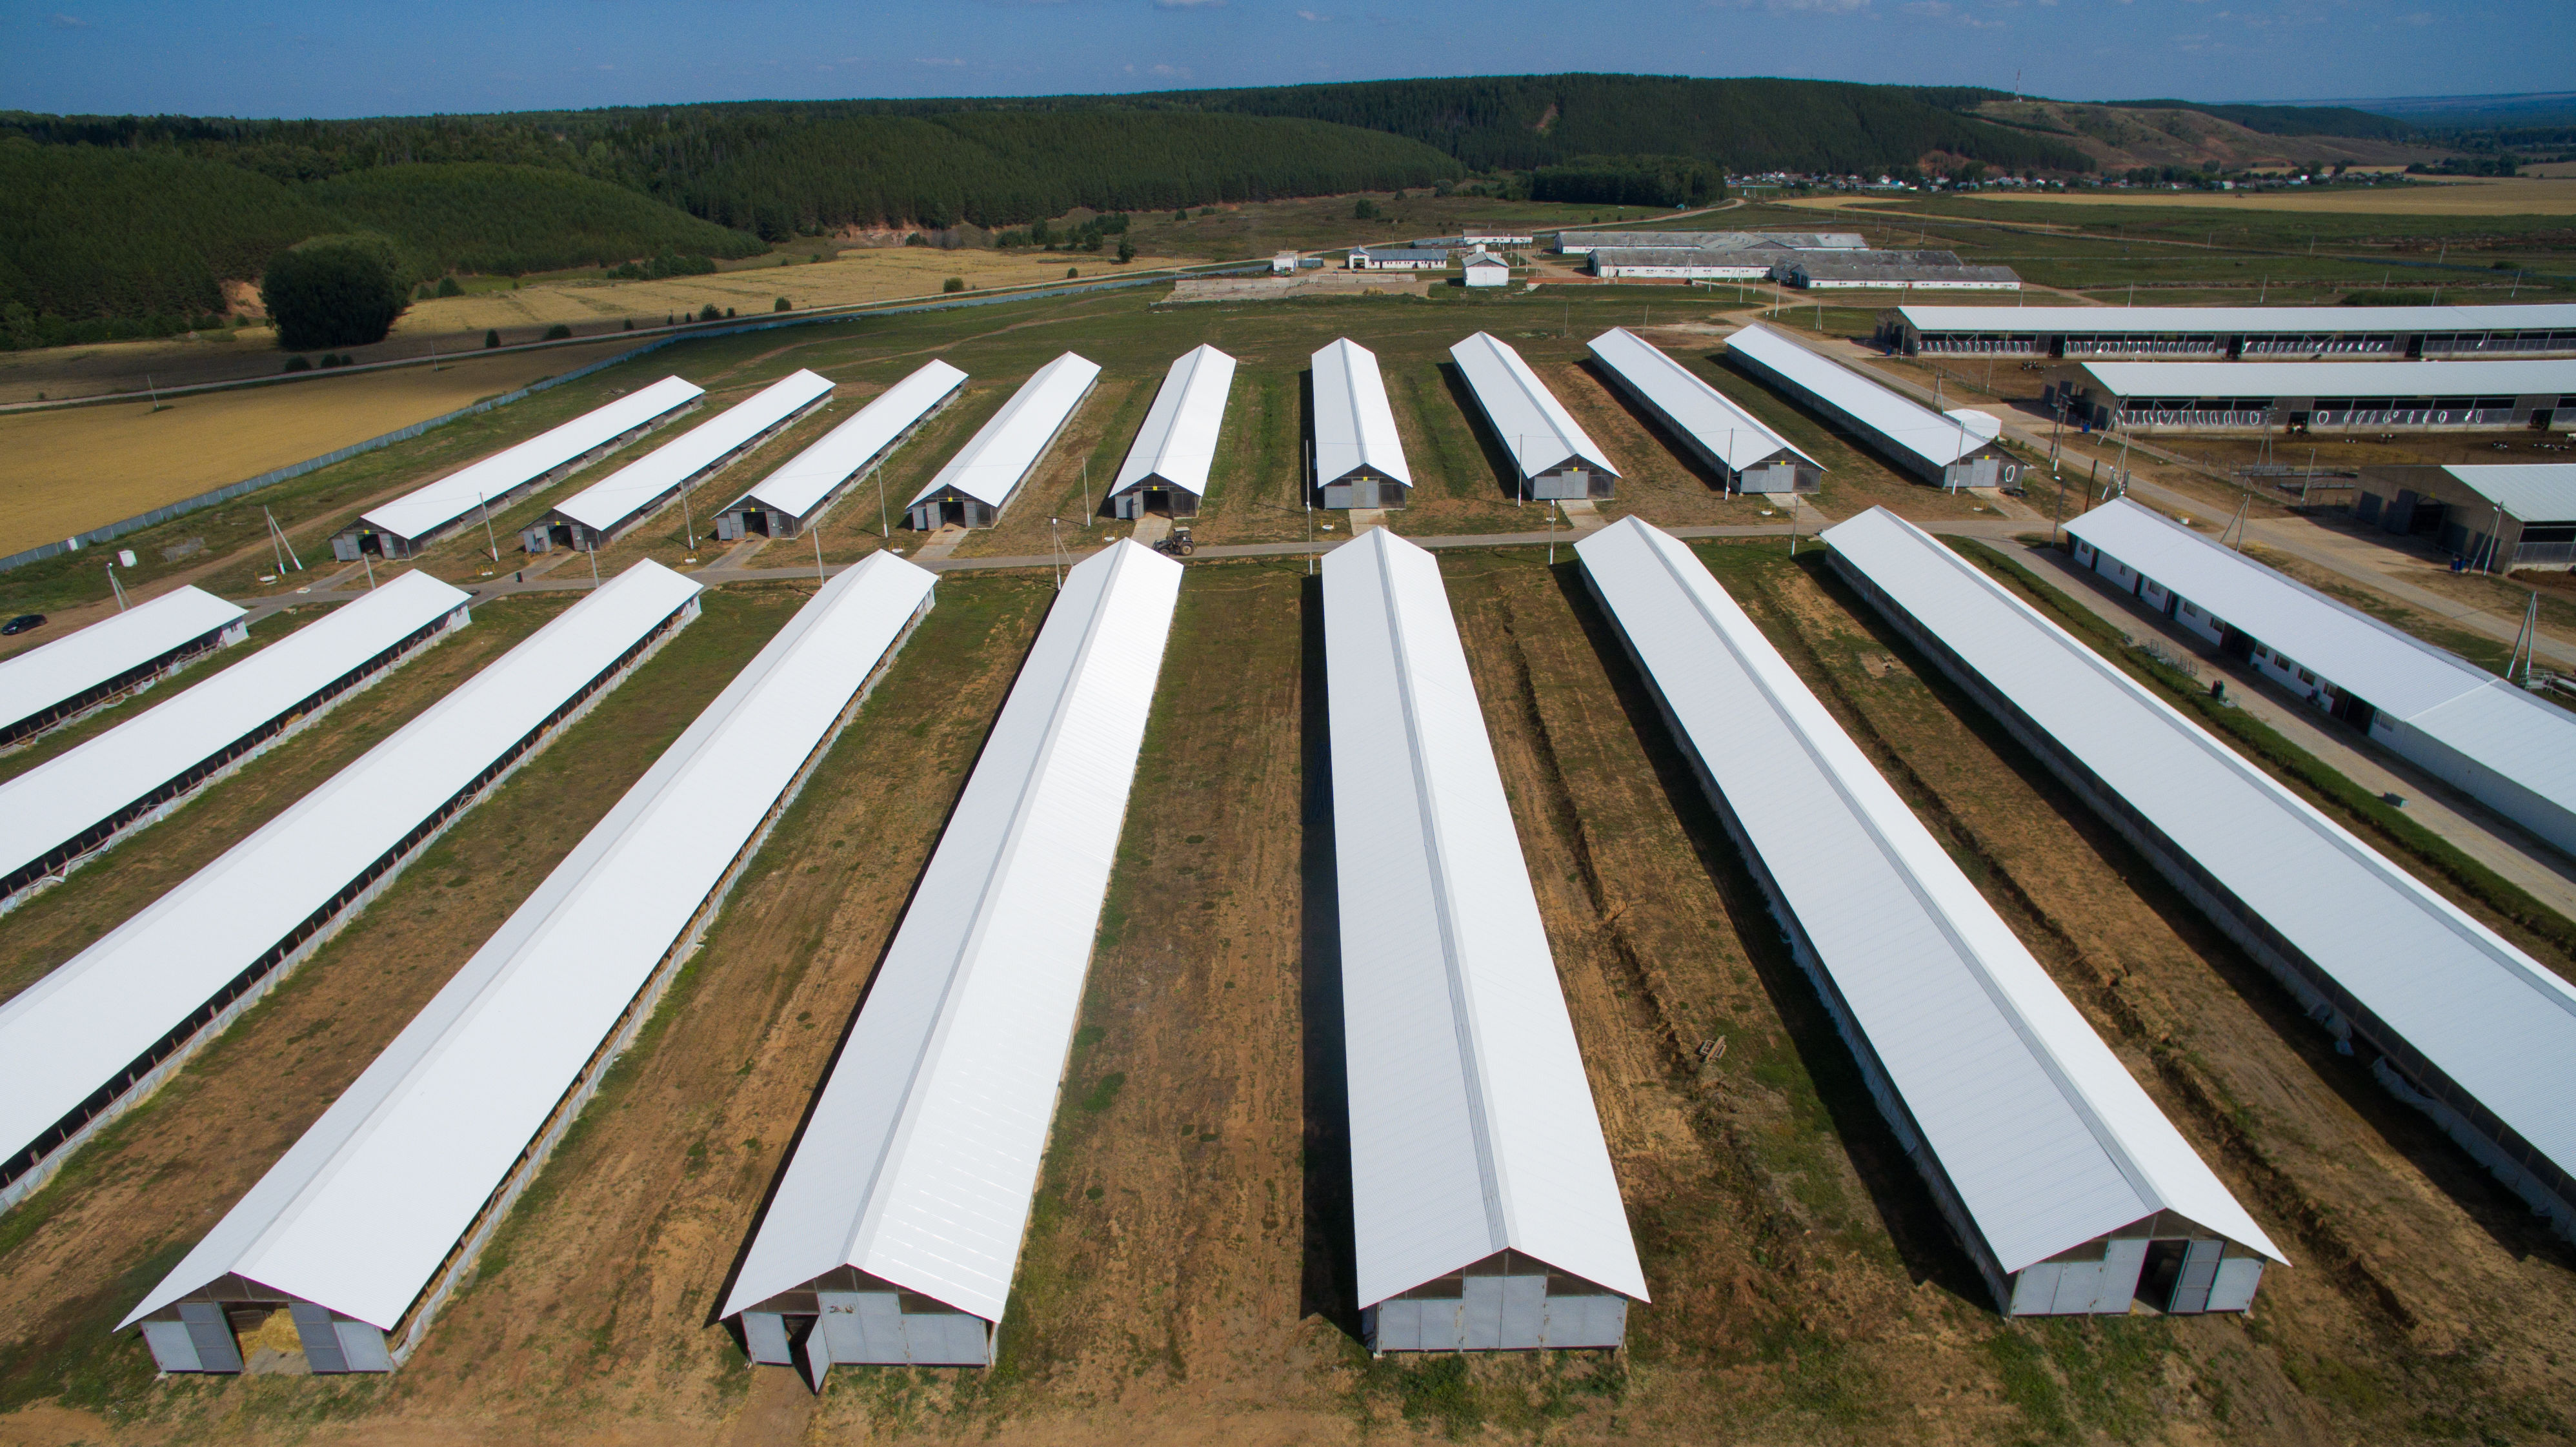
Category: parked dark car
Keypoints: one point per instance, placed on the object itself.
(24, 622)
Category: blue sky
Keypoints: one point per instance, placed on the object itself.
(371, 57)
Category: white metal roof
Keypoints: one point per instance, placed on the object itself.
(1716, 240)
(2456, 702)
(2044, 1135)
(809, 477)
(72, 665)
(425, 510)
(1532, 425)
(359, 1214)
(2487, 378)
(1480, 257)
(1178, 441)
(922, 1154)
(78, 788)
(72, 1031)
(1690, 403)
(1472, 1124)
(2236, 320)
(1939, 438)
(1001, 452)
(2534, 492)
(1354, 426)
(607, 504)
(2484, 1013)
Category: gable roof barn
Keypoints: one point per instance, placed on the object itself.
(48, 686)
(633, 493)
(1533, 426)
(1177, 444)
(804, 482)
(1727, 437)
(1929, 444)
(994, 462)
(1354, 426)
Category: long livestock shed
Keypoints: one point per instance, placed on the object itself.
(363, 1228)
(981, 479)
(1359, 459)
(2070, 1190)
(62, 813)
(420, 517)
(2321, 396)
(2230, 333)
(2454, 1019)
(616, 504)
(892, 1236)
(2498, 516)
(1553, 455)
(1958, 448)
(1894, 271)
(75, 675)
(102, 1031)
(1686, 263)
(2460, 723)
(785, 503)
(1746, 455)
(1484, 1208)
(1580, 243)
(1166, 470)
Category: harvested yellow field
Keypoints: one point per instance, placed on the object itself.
(88, 466)
(877, 274)
(2514, 196)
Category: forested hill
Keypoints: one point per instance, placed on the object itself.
(1525, 121)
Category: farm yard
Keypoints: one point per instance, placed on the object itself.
(1188, 1270)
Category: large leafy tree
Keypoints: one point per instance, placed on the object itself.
(336, 291)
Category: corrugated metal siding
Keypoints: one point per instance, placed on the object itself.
(1354, 426)
(1472, 1124)
(993, 462)
(2332, 379)
(1896, 423)
(360, 1213)
(611, 502)
(426, 510)
(921, 1157)
(1723, 429)
(1177, 444)
(2535, 492)
(2259, 321)
(1526, 417)
(2497, 1025)
(2042, 1134)
(811, 475)
(41, 678)
(76, 1029)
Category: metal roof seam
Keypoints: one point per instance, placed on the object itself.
(1934, 910)
(1462, 1013)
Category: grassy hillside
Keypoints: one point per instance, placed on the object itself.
(478, 216)
(2290, 120)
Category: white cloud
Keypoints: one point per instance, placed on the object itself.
(1794, 7)
(2417, 17)
(1312, 18)
(1187, 4)
(1943, 10)
(937, 60)
(1181, 71)
(67, 22)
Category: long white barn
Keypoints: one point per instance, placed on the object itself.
(2454, 1019)
(370, 1220)
(47, 687)
(64, 812)
(785, 503)
(1555, 457)
(1484, 1208)
(613, 506)
(1957, 448)
(2070, 1190)
(986, 474)
(2231, 333)
(2464, 725)
(892, 1236)
(1745, 454)
(1166, 470)
(98, 1034)
(1359, 459)
(420, 517)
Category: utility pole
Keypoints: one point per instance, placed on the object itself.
(1086, 492)
(1054, 561)
(481, 502)
(370, 567)
(592, 552)
(884, 525)
(116, 587)
(686, 515)
(818, 557)
(283, 540)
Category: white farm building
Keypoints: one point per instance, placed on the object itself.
(620, 502)
(1359, 459)
(1485, 1211)
(420, 517)
(1746, 454)
(1953, 449)
(1484, 268)
(2452, 1018)
(100, 1033)
(785, 503)
(369, 1222)
(1555, 459)
(1166, 470)
(2069, 1189)
(986, 474)
(111, 660)
(2220, 333)
(892, 1236)
(2317, 397)
(2458, 722)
